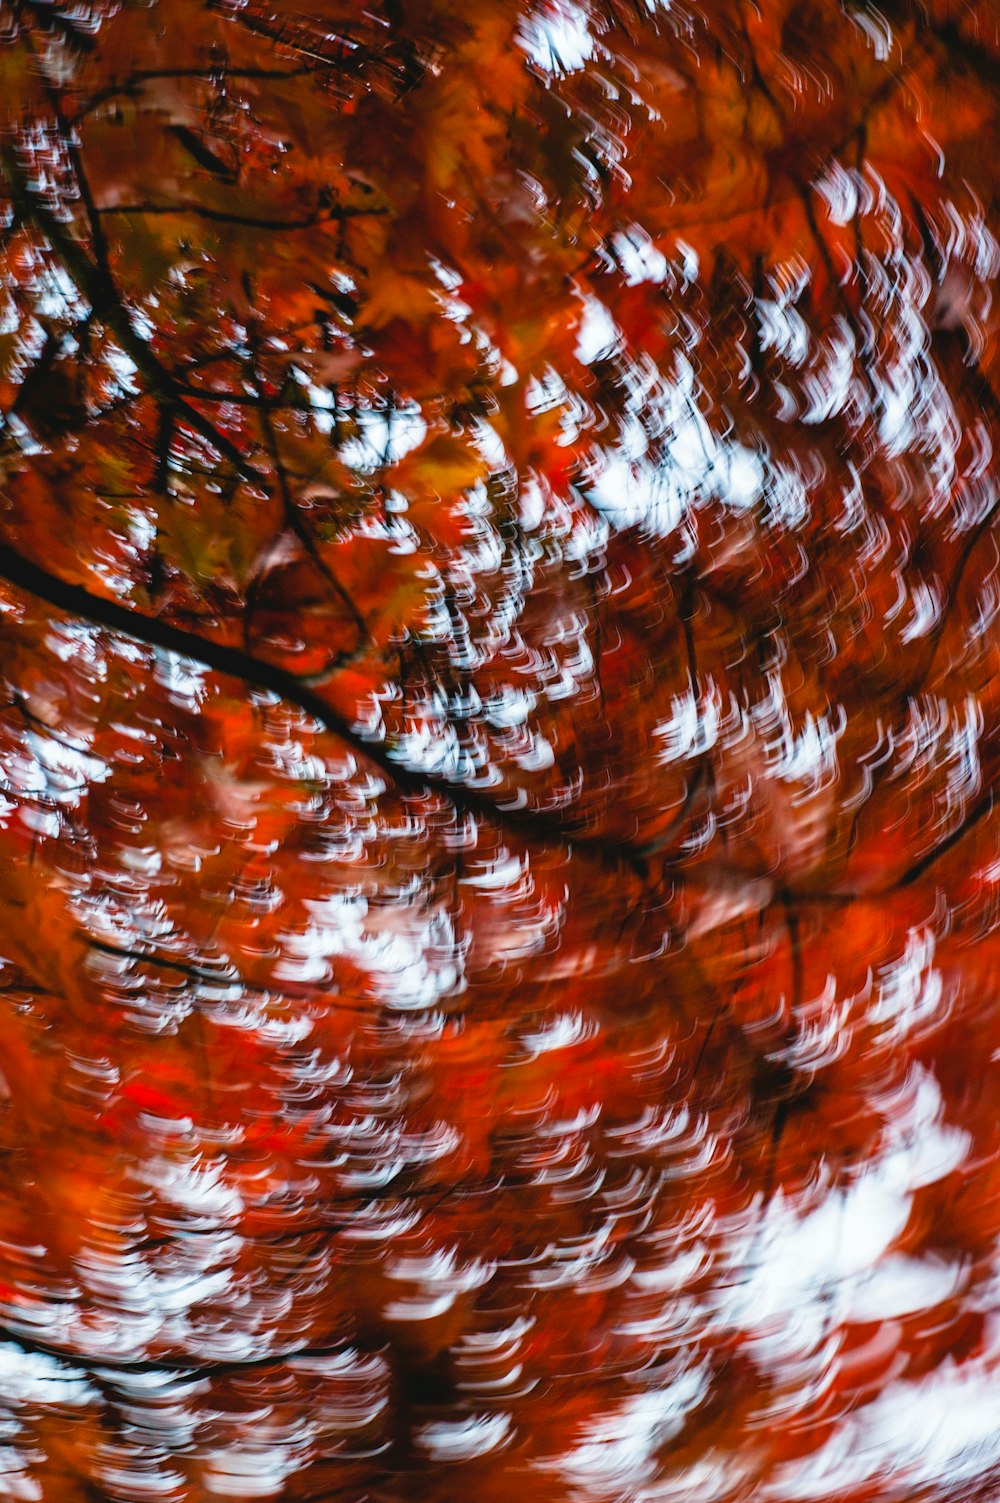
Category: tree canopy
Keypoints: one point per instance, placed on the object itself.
(499, 723)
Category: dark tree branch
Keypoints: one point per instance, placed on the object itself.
(96, 286)
(294, 520)
(225, 216)
(132, 85)
(157, 633)
(192, 1369)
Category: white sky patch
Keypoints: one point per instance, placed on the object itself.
(433, 747)
(384, 437)
(183, 679)
(942, 1428)
(558, 43)
(464, 1439)
(640, 260)
(37, 1378)
(631, 494)
(56, 772)
(510, 705)
(782, 329)
(806, 1261)
(258, 1468)
(812, 1273)
(693, 727)
(559, 1032)
(598, 331)
(77, 639)
(58, 297)
(17, 1482)
(617, 1451)
(697, 466)
(902, 1286)
(827, 387)
(125, 370)
(910, 989)
(197, 1188)
(413, 953)
(807, 755)
(428, 1284)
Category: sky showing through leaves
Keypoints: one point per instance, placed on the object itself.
(499, 723)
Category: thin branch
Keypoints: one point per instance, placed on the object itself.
(981, 809)
(225, 216)
(96, 286)
(75, 600)
(293, 517)
(213, 74)
(193, 1368)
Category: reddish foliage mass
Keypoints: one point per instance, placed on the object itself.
(499, 722)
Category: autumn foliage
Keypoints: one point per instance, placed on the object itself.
(499, 721)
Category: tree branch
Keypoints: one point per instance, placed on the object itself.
(94, 284)
(225, 216)
(75, 600)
